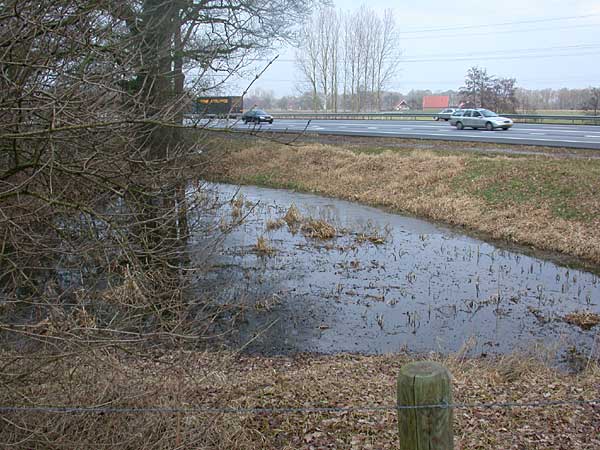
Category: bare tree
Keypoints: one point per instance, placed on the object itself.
(98, 176)
(308, 62)
(478, 88)
(487, 91)
(387, 54)
(505, 95)
(351, 61)
(364, 57)
(318, 56)
(592, 104)
(93, 92)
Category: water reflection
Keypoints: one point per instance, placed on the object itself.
(425, 288)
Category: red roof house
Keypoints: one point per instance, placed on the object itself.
(436, 101)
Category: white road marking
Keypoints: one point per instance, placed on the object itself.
(403, 128)
(433, 131)
(382, 125)
(561, 130)
(479, 136)
(520, 127)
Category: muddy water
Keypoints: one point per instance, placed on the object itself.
(417, 287)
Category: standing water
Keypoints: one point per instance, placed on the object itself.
(385, 283)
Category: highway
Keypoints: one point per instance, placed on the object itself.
(572, 136)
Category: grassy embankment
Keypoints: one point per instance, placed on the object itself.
(549, 203)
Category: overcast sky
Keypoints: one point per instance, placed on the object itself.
(541, 43)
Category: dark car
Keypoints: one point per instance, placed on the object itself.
(256, 116)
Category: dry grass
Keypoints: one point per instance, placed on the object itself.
(267, 303)
(318, 229)
(263, 247)
(292, 217)
(193, 379)
(546, 202)
(583, 319)
(237, 207)
(238, 201)
(374, 238)
(274, 224)
(236, 212)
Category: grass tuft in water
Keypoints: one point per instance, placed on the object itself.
(292, 217)
(583, 319)
(318, 229)
(263, 247)
(273, 224)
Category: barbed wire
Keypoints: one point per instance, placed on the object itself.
(316, 409)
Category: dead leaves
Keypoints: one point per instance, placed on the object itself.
(308, 381)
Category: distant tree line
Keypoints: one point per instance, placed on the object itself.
(587, 99)
(304, 101)
(527, 100)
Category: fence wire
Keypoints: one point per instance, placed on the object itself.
(304, 410)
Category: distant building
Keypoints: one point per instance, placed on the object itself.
(402, 106)
(436, 101)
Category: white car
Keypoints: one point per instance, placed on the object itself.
(479, 118)
(445, 114)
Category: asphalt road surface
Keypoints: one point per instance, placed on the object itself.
(573, 136)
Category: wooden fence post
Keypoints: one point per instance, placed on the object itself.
(425, 383)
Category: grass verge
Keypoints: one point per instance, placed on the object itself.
(549, 203)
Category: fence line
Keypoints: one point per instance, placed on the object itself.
(308, 410)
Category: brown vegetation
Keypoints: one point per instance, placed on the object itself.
(263, 247)
(179, 379)
(292, 216)
(583, 319)
(545, 202)
(95, 263)
(274, 224)
(310, 227)
(95, 211)
(374, 238)
(318, 229)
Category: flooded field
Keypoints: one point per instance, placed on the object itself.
(332, 276)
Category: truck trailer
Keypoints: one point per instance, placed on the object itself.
(230, 106)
